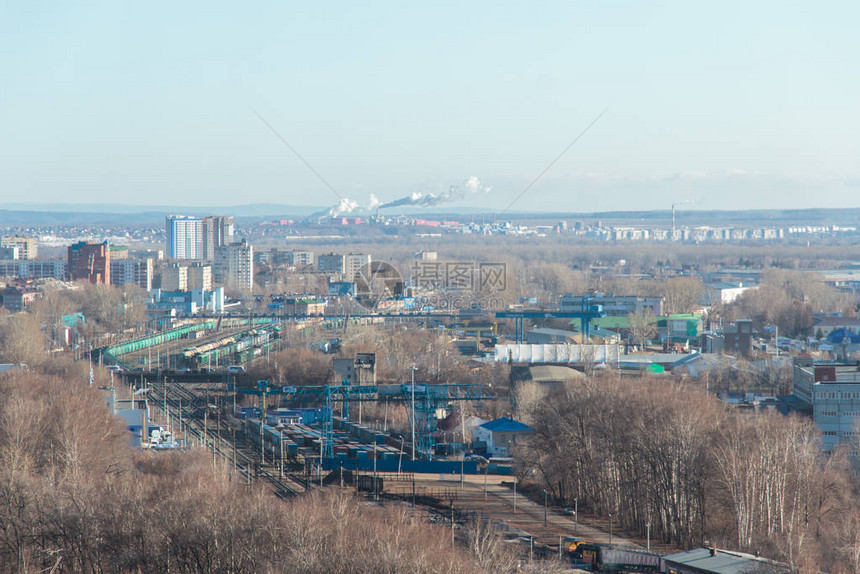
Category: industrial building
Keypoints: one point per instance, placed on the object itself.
(187, 302)
(613, 305)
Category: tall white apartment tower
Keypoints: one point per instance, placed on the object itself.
(217, 232)
(184, 237)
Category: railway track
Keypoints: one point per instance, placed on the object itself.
(214, 433)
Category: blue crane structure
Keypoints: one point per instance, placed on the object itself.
(586, 314)
(422, 401)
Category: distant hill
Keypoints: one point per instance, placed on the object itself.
(83, 214)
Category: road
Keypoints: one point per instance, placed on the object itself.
(500, 504)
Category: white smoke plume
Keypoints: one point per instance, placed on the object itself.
(346, 205)
(472, 185)
(372, 203)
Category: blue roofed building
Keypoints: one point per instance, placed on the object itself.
(501, 435)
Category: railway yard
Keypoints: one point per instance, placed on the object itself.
(199, 407)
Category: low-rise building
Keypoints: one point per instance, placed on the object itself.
(501, 435)
(716, 561)
(18, 298)
(546, 336)
(737, 338)
(186, 302)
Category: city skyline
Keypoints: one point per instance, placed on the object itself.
(748, 107)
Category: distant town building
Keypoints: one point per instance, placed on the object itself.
(118, 252)
(331, 264)
(135, 271)
(184, 237)
(90, 261)
(425, 256)
(234, 265)
(217, 232)
(354, 263)
(302, 258)
(28, 247)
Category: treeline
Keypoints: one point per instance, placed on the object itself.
(74, 496)
(652, 451)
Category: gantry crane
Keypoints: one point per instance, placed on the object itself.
(422, 403)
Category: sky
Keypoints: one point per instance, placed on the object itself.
(730, 105)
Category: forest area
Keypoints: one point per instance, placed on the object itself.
(75, 497)
(656, 451)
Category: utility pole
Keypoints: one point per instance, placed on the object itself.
(610, 529)
(413, 368)
(648, 530)
(544, 507)
(575, 514)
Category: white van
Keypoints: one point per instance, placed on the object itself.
(234, 369)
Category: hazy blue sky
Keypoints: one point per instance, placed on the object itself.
(728, 105)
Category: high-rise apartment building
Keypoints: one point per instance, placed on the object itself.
(174, 277)
(28, 247)
(234, 265)
(184, 237)
(200, 276)
(217, 232)
(136, 271)
(90, 261)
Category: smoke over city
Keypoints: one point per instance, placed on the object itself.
(472, 186)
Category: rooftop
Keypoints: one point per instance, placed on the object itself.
(716, 561)
(506, 424)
